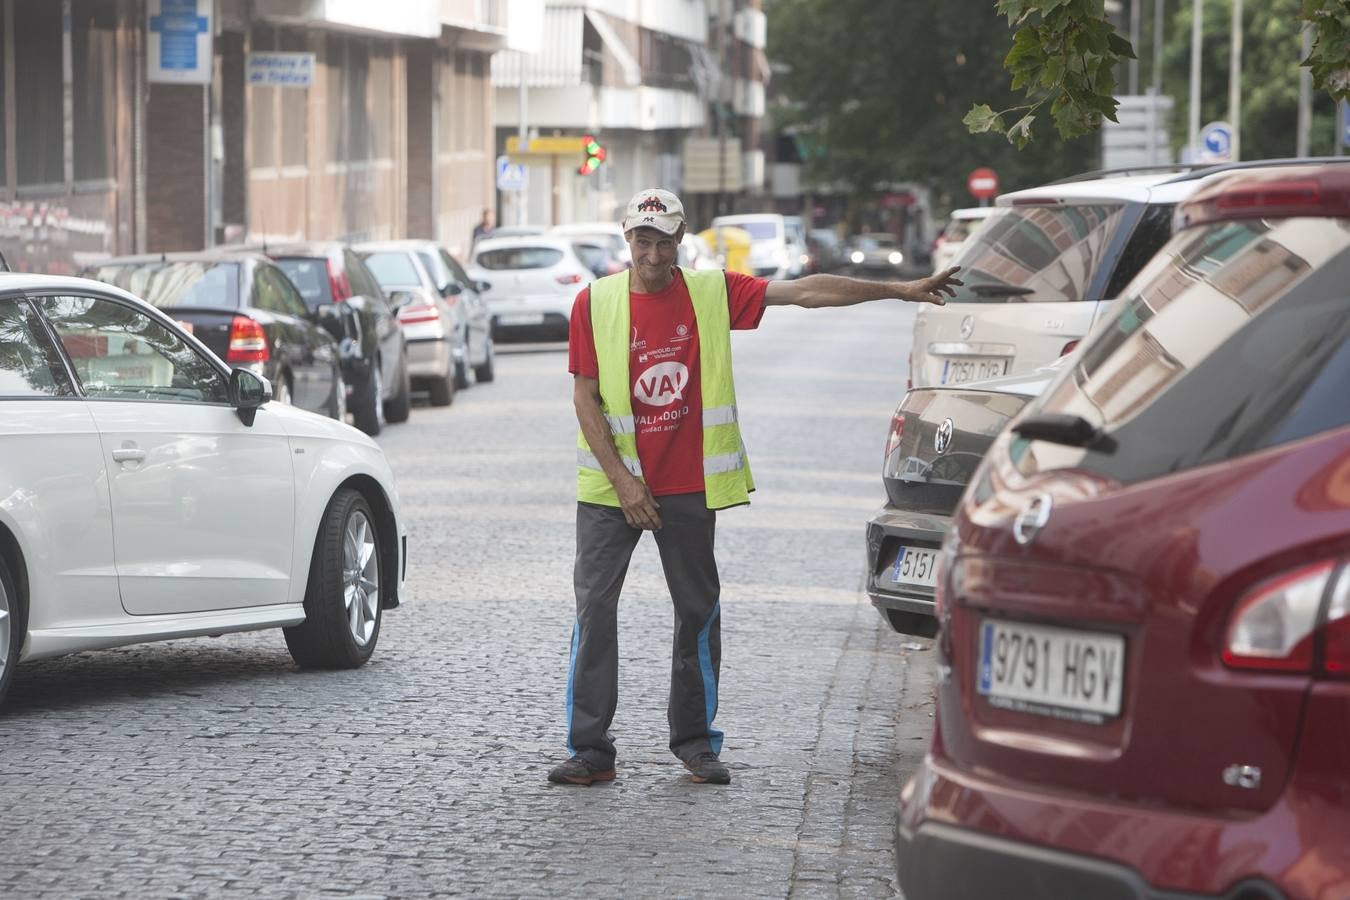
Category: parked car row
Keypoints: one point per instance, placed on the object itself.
(335, 329)
(1135, 563)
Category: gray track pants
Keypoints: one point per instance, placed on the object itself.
(605, 543)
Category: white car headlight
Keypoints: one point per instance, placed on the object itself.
(896, 257)
(856, 257)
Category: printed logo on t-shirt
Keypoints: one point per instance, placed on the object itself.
(662, 384)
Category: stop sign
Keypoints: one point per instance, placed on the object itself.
(982, 184)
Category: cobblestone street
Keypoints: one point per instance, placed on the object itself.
(214, 766)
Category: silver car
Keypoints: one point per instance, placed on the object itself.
(442, 312)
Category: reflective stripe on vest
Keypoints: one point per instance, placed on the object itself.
(727, 480)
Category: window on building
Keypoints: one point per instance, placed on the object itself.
(293, 108)
(380, 104)
(356, 86)
(263, 107)
(38, 86)
(93, 55)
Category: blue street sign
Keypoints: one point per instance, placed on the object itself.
(1216, 142)
(180, 41)
(511, 176)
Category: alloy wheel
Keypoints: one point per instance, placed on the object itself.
(360, 577)
(6, 623)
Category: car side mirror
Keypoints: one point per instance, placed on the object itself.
(400, 298)
(331, 317)
(452, 289)
(482, 286)
(248, 391)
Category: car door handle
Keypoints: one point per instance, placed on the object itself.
(128, 454)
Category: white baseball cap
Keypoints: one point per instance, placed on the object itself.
(654, 208)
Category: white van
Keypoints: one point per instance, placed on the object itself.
(777, 243)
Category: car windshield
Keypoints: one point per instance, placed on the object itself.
(524, 257)
(1039, 252)
(310, 277)
(762, 230)
(177, 284)
(875, 242)
(1232, 339)
(393, 269)
(958, 229)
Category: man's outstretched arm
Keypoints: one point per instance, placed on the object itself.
(815, 291)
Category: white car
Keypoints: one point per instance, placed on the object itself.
(695, 253)
(777, 247)
(153, 493)
(959, 226)
(610, 234)
(530, 284)
(876, 251)
(1041, 269)
(444, 318)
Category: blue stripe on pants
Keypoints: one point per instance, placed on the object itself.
(571, 674)
(709, 680)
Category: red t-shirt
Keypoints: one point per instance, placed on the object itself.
(663, 368)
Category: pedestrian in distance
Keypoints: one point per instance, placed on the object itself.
(659, 450)
(482, 229)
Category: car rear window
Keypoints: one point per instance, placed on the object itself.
(310, 277)
(177, 284)
(1036, 253)
(519, 258)
(393, 269)
(759, 231)
(1233, 339)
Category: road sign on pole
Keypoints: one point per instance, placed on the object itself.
(511, 176)
(982, 183)
(1216, 143)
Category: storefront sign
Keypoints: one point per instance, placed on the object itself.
(281, 69)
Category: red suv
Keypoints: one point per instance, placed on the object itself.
(1144, 603)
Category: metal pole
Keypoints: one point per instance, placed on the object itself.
(523, 204)
(1235, 81)
(1341, 111)
(1304, 97)
(1135, 16)
(1193, 120)
(1155, 88)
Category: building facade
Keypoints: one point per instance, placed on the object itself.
(308, 120)
(674, 92)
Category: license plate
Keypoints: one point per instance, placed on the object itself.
(1060, 672)
(526, 318)
(960, 370)
(915, 566)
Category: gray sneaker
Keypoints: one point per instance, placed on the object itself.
(706, 768)
(578, 771)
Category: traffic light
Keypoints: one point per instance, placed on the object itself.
(595, 155)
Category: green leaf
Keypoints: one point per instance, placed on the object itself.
(1120, 46)
(1020, 133)
(982, 119)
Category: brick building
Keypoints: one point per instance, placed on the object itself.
(386, 133)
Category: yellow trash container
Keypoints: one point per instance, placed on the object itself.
(732, 246)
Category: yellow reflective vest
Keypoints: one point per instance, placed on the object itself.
(726, 470)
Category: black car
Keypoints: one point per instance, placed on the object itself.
(246, 311)
(375, 357)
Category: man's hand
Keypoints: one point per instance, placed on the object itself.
(932, 288)
(639, 506)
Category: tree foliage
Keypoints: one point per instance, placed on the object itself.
(1065, 53)
(875, 91)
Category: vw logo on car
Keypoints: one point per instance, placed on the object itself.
(942, 438)
(1032, 518)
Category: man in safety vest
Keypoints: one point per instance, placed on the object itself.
(659, 450)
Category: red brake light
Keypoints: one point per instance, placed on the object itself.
(574, 278)
(248, 342)
(415, 313)
(1322, 190)
(896, 433)
(338, 284)
(1273, 626)
(1068, 348)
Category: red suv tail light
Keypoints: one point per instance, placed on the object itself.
(1068, 348)
(896, 433)
(338, 284)
(415, 313)
(1281, 624)
(248, 342)
(574, 278)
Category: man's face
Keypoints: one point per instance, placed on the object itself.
(654, 252)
